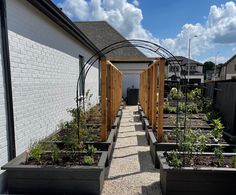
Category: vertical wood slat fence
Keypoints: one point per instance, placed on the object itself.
(151, 95)
(111, 95)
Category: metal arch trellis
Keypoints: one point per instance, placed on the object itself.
(143, 44)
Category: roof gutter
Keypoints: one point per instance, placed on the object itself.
(57, 16)
(7, 82)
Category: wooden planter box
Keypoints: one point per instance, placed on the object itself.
(147, 129)
(142, 117)
(116, 124)
(196, 181)
(33, 179)
(165, 146)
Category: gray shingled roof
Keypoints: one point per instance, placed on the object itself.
(103, 34)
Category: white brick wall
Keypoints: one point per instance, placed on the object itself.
(45, 65)
(3, 134)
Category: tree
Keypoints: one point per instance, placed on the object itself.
(209, 65)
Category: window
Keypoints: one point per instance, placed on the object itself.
(235, 67)
(174, 68)
(192, 68)
(82, 81)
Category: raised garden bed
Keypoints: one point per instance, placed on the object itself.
(197, 180)
(62, 140)
(195, 123)
(171, 145)
(54, 179)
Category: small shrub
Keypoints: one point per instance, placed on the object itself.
(192, 108)
(189, 143)
(36, 152)
(55, 153)
(88, 160)
(201, 143)
(217, 131)
(165, 138)
(169, 109)
(91, 150)
(175, 94)
(174, 159)
(219, 155)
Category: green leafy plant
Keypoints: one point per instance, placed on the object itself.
(165, 138)
(217, 131)
(55, 153)
(175, 94)
(174, 159)
(91, 150)
(36, 152)
(195, 94)
(234, 161)
(169, 109)
(202, 140)
(219, 155)
(192, 108)
(88, 160)
(189, 143)
(89, 157)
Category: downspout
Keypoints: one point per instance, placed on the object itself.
(7, 82)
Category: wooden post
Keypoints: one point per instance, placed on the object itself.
(161, 99)
(103, 99)
(109, 97)
(154, 95)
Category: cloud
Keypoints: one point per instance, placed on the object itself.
(124, 16)
(219, 26)
(136, 3)
(221, 23)
(219, 59)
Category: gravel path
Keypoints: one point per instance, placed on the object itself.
(131, 171)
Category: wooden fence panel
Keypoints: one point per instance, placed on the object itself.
(111, 95)
(152, 94)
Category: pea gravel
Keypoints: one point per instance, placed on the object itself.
(131, 171)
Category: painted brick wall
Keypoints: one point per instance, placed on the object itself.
(45, 66)
(3, 134)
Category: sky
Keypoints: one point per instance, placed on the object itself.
(210, 24)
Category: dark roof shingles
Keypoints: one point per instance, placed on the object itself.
(103, 34)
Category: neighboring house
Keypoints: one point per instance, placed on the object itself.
(129, 60)
(46, 51)
(228, 69)
(195, 72)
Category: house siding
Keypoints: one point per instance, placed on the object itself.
(230, 69)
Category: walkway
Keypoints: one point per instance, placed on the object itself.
(131, 171)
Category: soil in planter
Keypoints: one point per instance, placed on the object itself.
(65, 159)
(170, 137)
(199, 123)
(205, 161)
(70, 135)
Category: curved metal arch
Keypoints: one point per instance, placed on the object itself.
(131, 43)
(153, 47)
